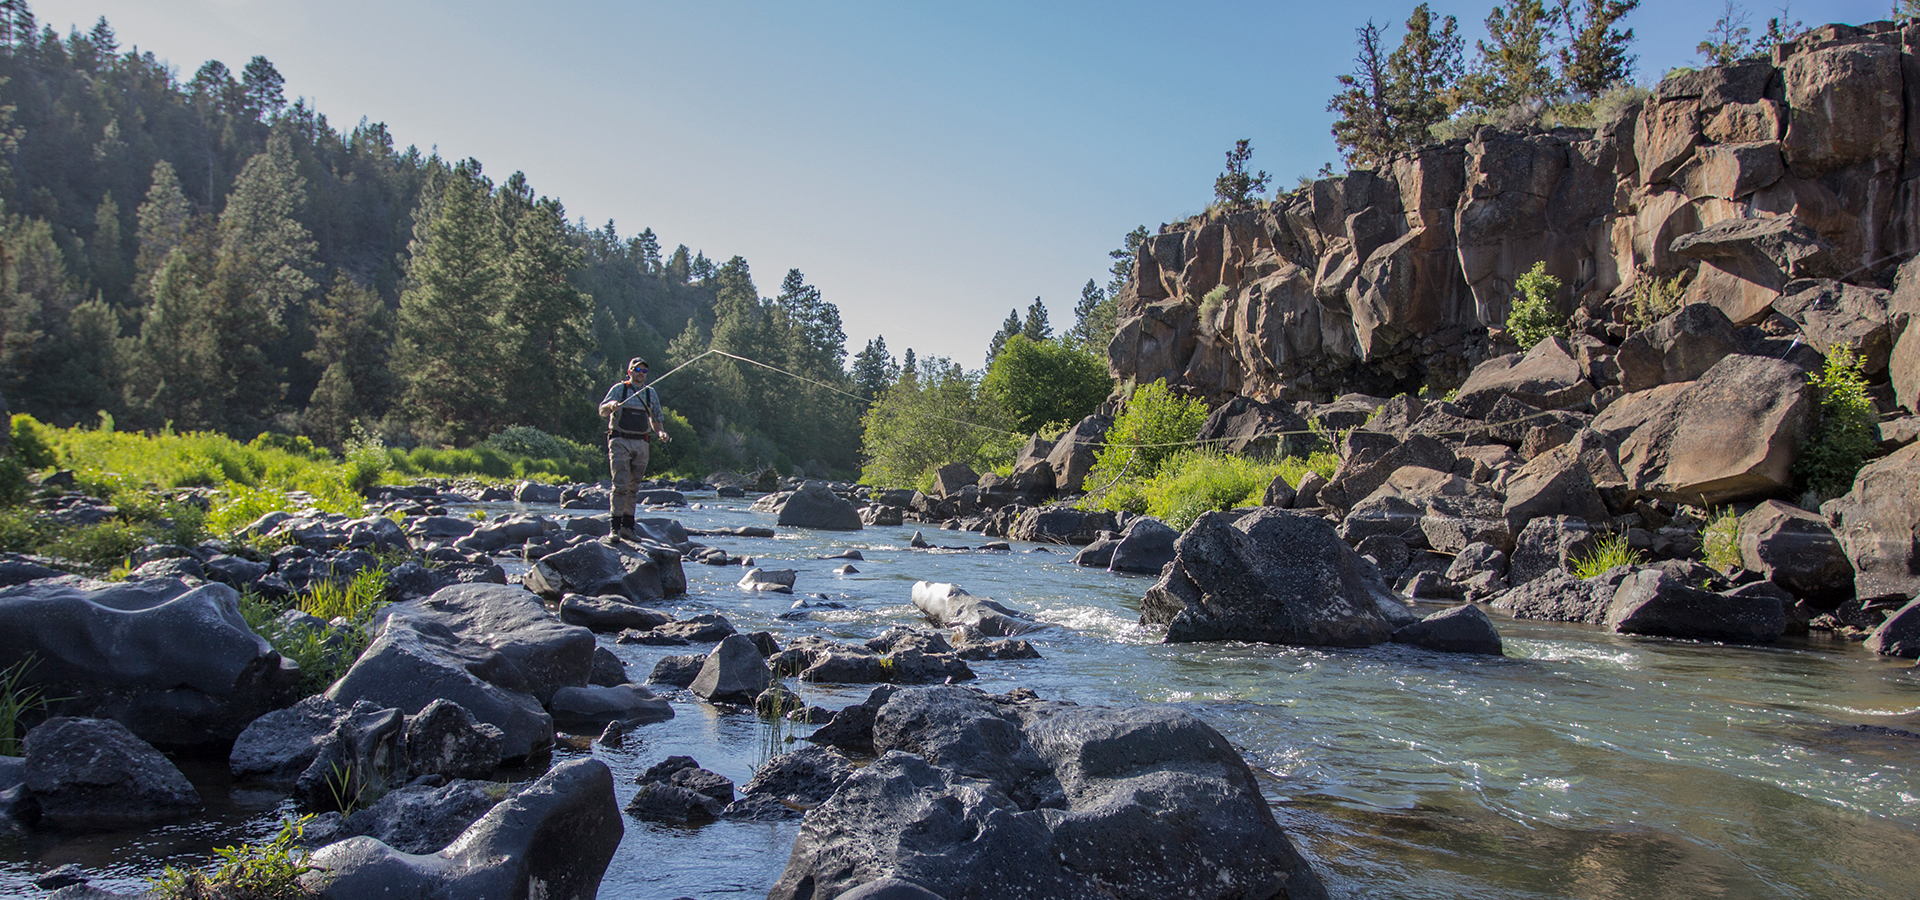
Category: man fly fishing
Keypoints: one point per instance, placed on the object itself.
(634, 420)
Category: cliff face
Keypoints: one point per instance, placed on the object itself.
(1739, 178)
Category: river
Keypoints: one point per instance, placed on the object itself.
(1582, 765)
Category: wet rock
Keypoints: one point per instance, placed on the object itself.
(604, 615)
(95, 774)
(1899, 635)
(177, 666)
(734, 672)
(552, 838)
(647, 572)
(705, 628)
(414, 661)
(1653, 602)
(677, 671)
(948, 605)
(588, 710)
(422, 817)
(1461, 629)
(1274, 576)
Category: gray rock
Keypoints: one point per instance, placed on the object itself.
(1274, 576)
(415, 661)
(1877, 523)
(358, 760)
(672, 804)
(948, 605)
(280, 745)
(445, 739)
(608, 670)
(422, 818)
(609, 615)
(649, 571)
(1796, 550)
(95, 774)
(734, 672)
(552, 839)
(588, 710)
(1557, 596)
(678, 671)
(799, 780)
(1653, 602)
(539, 653)
(815, 505)
(1060, 525)
(1899, 635)
(1549, 544)
(1146, 546)
(1460, 629)
(704, 628)
(177, 666)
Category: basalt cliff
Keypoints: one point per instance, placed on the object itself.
(1749, 182)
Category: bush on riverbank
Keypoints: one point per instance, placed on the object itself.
(1196, 481)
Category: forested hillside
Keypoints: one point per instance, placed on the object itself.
(201, 253)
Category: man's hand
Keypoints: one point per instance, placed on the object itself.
(606, 409)
(663, 437)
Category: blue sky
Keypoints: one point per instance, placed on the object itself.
(930, 166)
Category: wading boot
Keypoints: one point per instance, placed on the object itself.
(626, 528)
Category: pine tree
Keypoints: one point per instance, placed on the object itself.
(1364, 131)
(817, 320)
(874, 369)
(447, 353)
(106, 253)
(1512, 69)
(646, 252)
(352, 331)
(1035, 327)
(175, 373)
(163, 222)
(547, 323)
(701, 268)
(1008, 329)
(264, 257)
(1235, 186)
(1594, 54)
(262, 91)
(1423, 72)
(1092, 320)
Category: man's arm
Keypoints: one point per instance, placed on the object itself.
(608, 405)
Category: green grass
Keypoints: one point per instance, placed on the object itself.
(269, 871)
(1720, 540)
(1192, 482)
(18, 702)
(1608, 552)
(322, 657)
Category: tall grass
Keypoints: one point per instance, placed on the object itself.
(1192, 482)
(322, 654)
(1607, 553)
(17, 702)
(1720, 540)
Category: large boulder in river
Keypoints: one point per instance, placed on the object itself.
(1458, 629)
(1652, 601)
(552, 839)
(1731, 434)
(1146, 546)
(1899, 635)
(542, 653)
(734, 672)
(815, 505)
(989, 797)
(1878, 523)
(948, 605)
(1275, 576)
(652, 572)
(1060, 525)
(178, 667)
(87, 774)
(1796, 550)
(415, 661)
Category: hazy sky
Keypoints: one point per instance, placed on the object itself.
(930, 166)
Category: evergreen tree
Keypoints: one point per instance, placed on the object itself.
(163, 222)
(1594, 56)
(262, 90)
(1423, 72)
(1727, 41)
(547, 322)
(646, 252)
(874, 369)
(264, 258)
(175, 373)
(909, 369)
(106, 252)
(447, 353)
(817, 320)
(1235, 186)
(701, 268)
(1035, 327)
(1512, 67)
(679, 268)
(352, 331)
(1122, 268)
(1008, 329)
(1364, 131)
(1092, 321)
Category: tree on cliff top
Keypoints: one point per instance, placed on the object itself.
(1234, 186)
(1390, 102)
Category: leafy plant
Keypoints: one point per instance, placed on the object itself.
(1608, 552)
(18, 702)
(269, 871)
(1210, 304)
(29, 442)
(1720, 540)
(323, 654)
(99, 547)
(1654, 298)
(1156, 424)
(1843, 438)
(1534, 318)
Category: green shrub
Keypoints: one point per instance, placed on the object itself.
(1042, 382)
(1534, 317)
(1197, 481)
(30, 445)
(1844, 435)
(323, 655)
(13, 481)
(97, 548)
(241, 506)
(269, 871)
(1720, 540)
(1156, 424)
(1608, 552)
(1654, 298)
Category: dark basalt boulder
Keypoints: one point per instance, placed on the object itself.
(677, 671)
(1798, 551)
(793, 782)
(1558, 596)
(1899, 635)
(541, 654)
(1146, 546)
(1461, 629)
(815, 505)
(1274, 576)
(1656, 603)
(734, 672)
(422, 817)
(1060, 525)
(1146, 802)
(588, 710)
(88, 774)
(1073, 455)
(609, 615)
(178, 666)
(415, 661)
(552, 839)
(650, 572)
(357, 760)
(1878, 523)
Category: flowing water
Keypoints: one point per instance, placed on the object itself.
(1581, 765)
